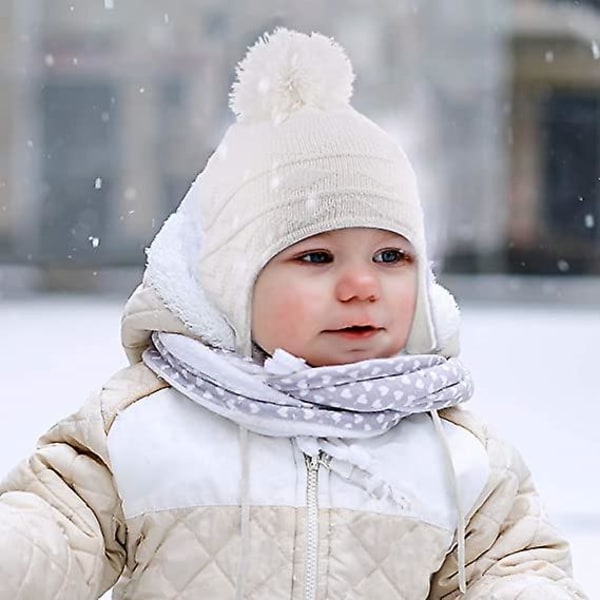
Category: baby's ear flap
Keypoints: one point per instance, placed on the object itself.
(445, 315)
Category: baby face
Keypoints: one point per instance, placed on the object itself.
(337, 297)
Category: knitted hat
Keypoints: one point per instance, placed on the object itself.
(299, 161)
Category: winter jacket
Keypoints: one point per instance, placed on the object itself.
(145, 487)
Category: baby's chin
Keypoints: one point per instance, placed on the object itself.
(344, 358)
(337, 356)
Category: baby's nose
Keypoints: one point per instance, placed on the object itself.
(359, 284)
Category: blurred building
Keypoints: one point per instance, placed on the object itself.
(554, 145)
(109, 109)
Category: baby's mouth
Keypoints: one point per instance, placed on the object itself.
(356, 331)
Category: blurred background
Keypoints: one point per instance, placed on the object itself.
(109, 108)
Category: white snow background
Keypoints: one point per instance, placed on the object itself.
(535, 369)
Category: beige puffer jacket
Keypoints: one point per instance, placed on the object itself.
(145, 487)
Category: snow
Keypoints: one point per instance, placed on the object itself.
(547, 407)
(534, 370)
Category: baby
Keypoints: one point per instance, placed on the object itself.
(290, 424)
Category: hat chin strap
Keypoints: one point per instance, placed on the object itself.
(422, 338)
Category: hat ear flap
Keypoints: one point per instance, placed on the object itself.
(171, 272)
(445, 315)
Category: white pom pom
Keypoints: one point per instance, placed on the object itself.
(287, 71)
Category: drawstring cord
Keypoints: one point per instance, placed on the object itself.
(245, 515)
(354, 464)
(460, 527)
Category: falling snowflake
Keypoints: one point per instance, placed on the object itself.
(549, 56)
(94, 241)
(109, 4)
(595, 50)
(563, 266)
(49, 60)
(589, 221)
(98, 183)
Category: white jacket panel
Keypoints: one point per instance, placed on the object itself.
(156, 443)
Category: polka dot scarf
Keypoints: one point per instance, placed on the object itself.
(287, 397)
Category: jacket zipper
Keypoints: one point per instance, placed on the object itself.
(312, 521)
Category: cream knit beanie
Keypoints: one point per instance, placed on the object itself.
(298, 161)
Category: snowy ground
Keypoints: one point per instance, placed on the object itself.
(56, 350)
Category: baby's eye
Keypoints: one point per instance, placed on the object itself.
(391, 256)
(316, 258)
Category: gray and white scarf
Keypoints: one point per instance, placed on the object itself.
(288, 398)
(324, 408)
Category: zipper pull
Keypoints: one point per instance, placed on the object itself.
(324, 460)
(318, 460)
(313, 462)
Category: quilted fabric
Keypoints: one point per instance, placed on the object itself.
(364, 556)
(62, 530)
(512, 549)
(198, 550)
(188, 552)
(143, 314)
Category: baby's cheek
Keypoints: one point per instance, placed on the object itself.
(294, 312)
